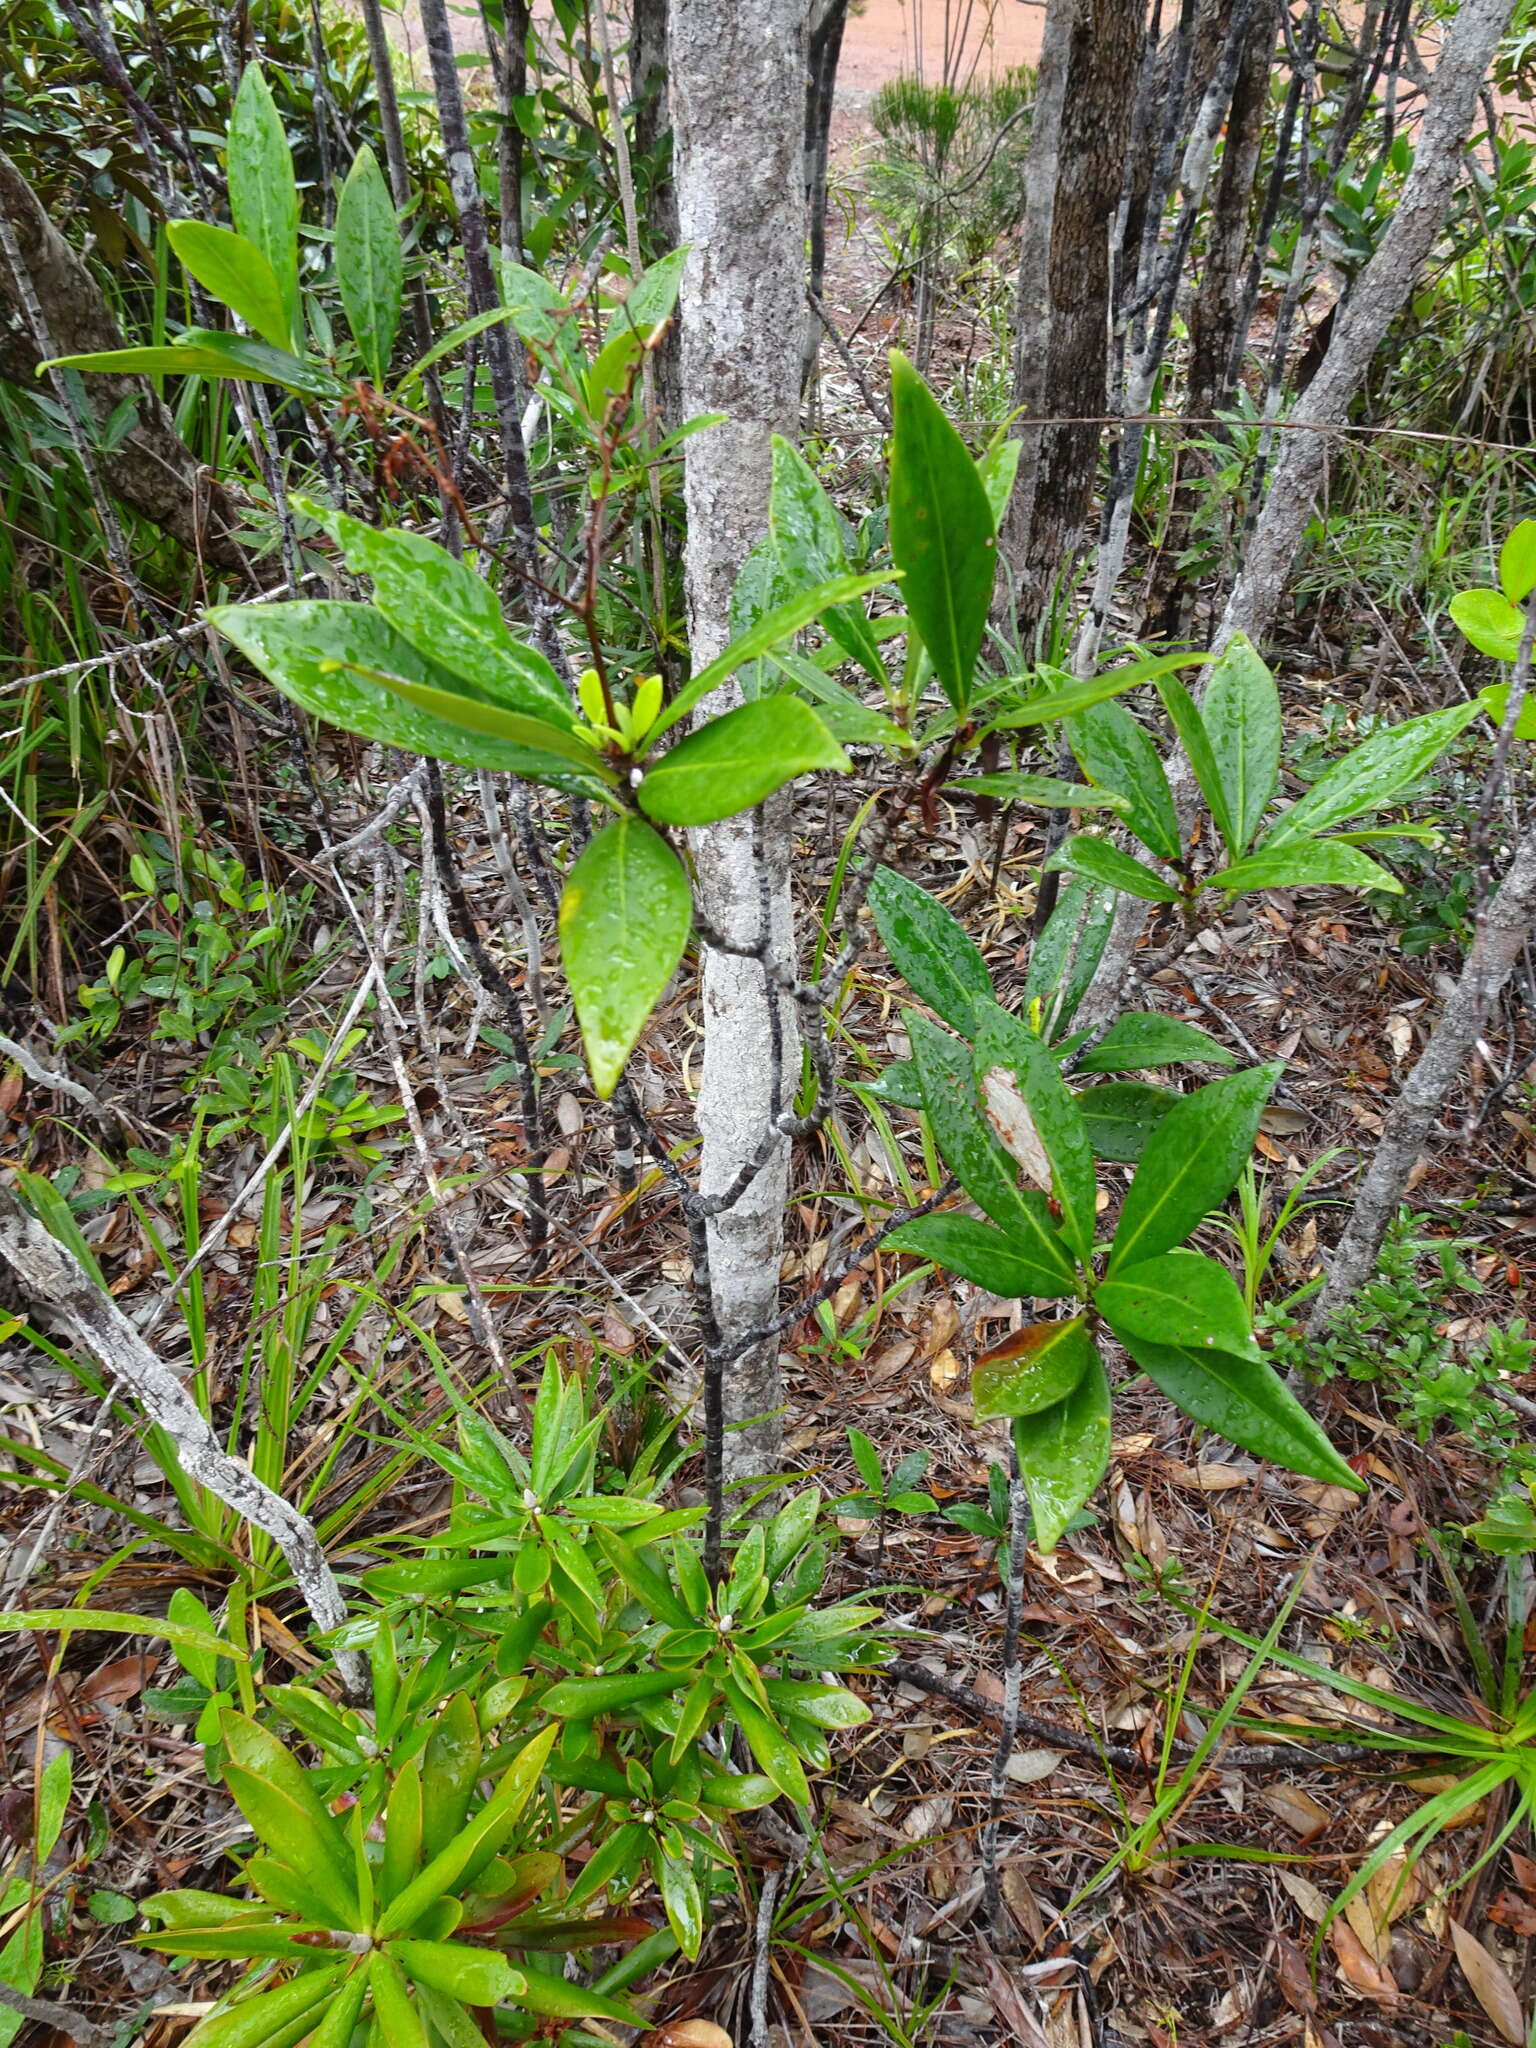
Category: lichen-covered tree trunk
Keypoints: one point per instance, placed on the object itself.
(737, 79)
(1095, 128)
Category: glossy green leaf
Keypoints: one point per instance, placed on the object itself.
(476, 1843)
(292, 643)
(236, 272)
(829, 1706)
(64, 1620)
(625, 911)
(1067, 953)
(395, 2014)
(1141, 1038)
(1115, 753)
(777, 626)
(1035, 1117)
(450, 1766)
(556, 1998)
(242, 1940)
(342, 2015)
(1245, 1402)
(1034, 1368)
(203, 352)
(1122, 1115)
(542, 317)
(263, 194)
(930, 949)
(1101, 862)
(1191, 1162)
(846, 716)
(1517, 562)
(1179, 1298)
(1045, 792)
(370, 269)
(733, 762)
(775, 1753)
(583, 1699)
(1372, 776)
(453, 618)
(980, 1252)
(1306, 864)
(1189, 729)
(946, 1070)
(1063, 1453)
(403, 1822)
(1071, 697)
(807, 540)
(1241, 715)
(251, 1749)
(943, 536)
(477, 1975)
(1490, 621)
(255, 2021)
(680, 1898)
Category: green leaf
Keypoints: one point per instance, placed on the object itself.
(653, 295)
(270, 2014)
(1141, 1038)
(476, 1975)
(449, 1768)
(188, 1611)
(1035, 1368)
(943, 536)
(53, 1791)
(202, 352)
(1063, 1453)
(807, 540)
(453, 618)
(978, 1251)
(1241, 715)
(457, 335)
(1179, 1298)
(845, 715)
(1490, 621)
(867, 1460)
(476, 1843)
(395, 2015)
(1517, 562)
(292, 1823)
(775, 1753)
(370, 269)
(292, 643)
(1191, 1162)
(1306, 864)
(1046, 792)
(1116, 754)
(1372, 776)
(624, 917)
(1189, 728)
(777, 626)
(1496, 699)
(946, 1070)
(828, 1706)
(735, 761)
(680, 1898)
(930, 949)
(237, 273)
(998, 469)
(1070, 948)
(583, 1699)
(1033, 1113)
(403, 1820)
(65, 1620)
(555, 1998)
(335, 2030)
(1101, 862)
(1071, 697)
(263, 195)
(1122, 1115)
(1245, 1402)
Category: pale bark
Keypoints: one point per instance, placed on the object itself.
(1378, 297)
(151, 469)
(737, 80)
(49, 1275)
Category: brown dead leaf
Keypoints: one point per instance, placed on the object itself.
(1490, 1984)
(114, 1683)
(944, 1372)
(1209, 1478)
(1298, 1809)
(1359, 1968)
(687, 2034)
(1008, 1114)
(1510, 1910)
(1305, 1893)
(1295, 1977)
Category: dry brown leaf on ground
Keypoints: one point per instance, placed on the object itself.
(1490, 1984)
(1359, 1968)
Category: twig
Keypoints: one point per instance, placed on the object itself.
(59, 2017)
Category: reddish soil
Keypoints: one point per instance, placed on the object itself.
(887, 37)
